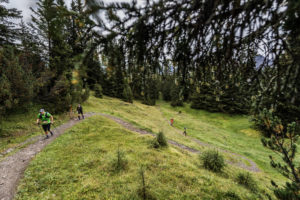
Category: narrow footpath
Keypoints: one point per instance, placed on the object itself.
(12, 167)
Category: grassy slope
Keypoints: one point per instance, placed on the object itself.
(233, 133)
(18, 127)
(78, 165)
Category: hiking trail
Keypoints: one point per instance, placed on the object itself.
(252, 165)
(13, 166)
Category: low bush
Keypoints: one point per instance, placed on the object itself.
(120, 162)
(229, 195)
(176, 96)
(212, 160)
(127, 94)
(143, 191)
(85, 95)
(160, 141)
(247, 181)
(98, 91)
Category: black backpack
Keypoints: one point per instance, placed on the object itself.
(46, 115)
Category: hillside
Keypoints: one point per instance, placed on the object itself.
(80, 163)
(183, 99)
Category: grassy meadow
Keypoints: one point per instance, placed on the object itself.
(80, 163)
(229, 132)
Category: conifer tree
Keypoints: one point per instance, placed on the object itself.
(127, 93)
(43, 24)
(150, 92)
(20, 81)
(176, 96)
(204, 98)
(166, 87)
(8, 30)
(283, 141)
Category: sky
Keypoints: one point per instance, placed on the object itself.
(24, 6)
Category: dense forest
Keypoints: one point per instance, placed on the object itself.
(204, 53)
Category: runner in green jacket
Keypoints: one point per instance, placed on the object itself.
(46, 119)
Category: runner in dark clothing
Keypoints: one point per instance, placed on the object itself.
(80, 112)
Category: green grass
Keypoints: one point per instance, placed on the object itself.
(20, 126)
(78, 165)
(230, 132)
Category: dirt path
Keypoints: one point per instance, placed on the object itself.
(138, 130)
(252, 165)
(13, 167)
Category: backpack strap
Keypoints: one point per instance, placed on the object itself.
(46, 115)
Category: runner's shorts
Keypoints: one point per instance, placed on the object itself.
(46, 127)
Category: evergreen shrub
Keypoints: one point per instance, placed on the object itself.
(120, 162)
(247, 180)
(85, 95)
(166, 87)
(151, 92)
(212, 160)
(205, 99)
(127, 94)
(98, 91)
(148, 100)
(176, 96)
(143, 191)
(229, 195)
(160, 141)
(60, 96)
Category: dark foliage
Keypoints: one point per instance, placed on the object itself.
(166, 88)
(8, 29)
(98, 91)
(212, 160)
(228, 196)
(144, 191)
(247, 180)
(160, 141)
(150, 92)
(283, 140)
(120, 162)
(127, 94)
(176, 96)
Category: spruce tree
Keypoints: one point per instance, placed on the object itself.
(205, 98)
(150, 92)
(127, 93)
(98, 91)
(66, 55)
(166, 87)
(20, 81)
(60, 98)
(9, 31)
(42, 23)
(177, 96)
(6, 99)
